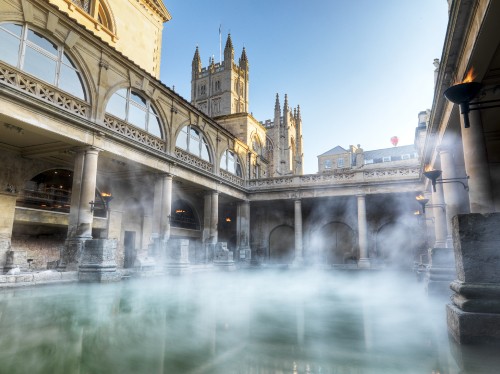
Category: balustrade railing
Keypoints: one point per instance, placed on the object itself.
(43, 91)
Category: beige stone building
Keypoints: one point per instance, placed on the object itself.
(93, 145)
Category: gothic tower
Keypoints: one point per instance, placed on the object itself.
(221, 88)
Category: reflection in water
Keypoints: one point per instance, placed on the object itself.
(257, 322)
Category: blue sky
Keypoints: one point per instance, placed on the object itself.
(361, 70)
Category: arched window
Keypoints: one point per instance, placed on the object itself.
(230, 162)
(133, 108)
(33, 53)
(96, 9)
(192, 140)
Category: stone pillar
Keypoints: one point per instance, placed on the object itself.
(451, 191)
(8, 209)
(476, 165)
(364, 261)
(162, 207)
(299, 259)
(210, 221)
(243, 231)
(81, 214)
(439, 216)
(474, 316)
(177, 257)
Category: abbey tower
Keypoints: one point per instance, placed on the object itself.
(221, 90)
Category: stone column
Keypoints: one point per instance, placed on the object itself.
(210, 221)
(8, 209)
(81, 214)
(451, 191)
(299, 259)
(162, 206)
(439, 216)
(364, 261)
(476, 165)
(243, 231)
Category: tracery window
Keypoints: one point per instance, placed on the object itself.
(230, 162)
(193, 141)
(33, 53)
(129, 106)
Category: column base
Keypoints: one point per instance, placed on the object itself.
(441, 271)
(98, 262)
(298, 263)
(177, 260)
(364, 263)
(473, 327)
(223, 258)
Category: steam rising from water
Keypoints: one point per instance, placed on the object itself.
(255, 322)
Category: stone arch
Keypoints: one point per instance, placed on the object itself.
(282, 245)
(393, 245)
(337, 243)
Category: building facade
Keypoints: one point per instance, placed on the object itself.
(93, 145)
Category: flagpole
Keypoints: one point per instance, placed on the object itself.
(220, 44)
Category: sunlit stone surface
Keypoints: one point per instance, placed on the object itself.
(255, 322)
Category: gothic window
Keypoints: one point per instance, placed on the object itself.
(217, 85)
(97, 10)
(203, 89)
(133, 108)
(33, 53)
(193, 141)
(230, 162)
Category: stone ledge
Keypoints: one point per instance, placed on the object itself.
(33, 279)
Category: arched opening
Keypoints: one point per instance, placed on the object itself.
(282, 245)
(184, 216)
(51, 190)
(338, 243)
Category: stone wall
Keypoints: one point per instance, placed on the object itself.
(41, 249)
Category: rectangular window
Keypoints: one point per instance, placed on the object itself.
(328, 164)
(386, 159)
(369, 161)
(405, 157)
(340, 163)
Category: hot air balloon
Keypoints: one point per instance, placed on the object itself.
(394, 141)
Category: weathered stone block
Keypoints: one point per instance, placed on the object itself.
(177, 256)
(476, 239)
(473, 328)
(223, 258)
(46, 276)
(97, 262)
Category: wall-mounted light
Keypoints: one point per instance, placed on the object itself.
(91, 203)
(422, 200)
(464, 92)
(433, 175)
(107, 197)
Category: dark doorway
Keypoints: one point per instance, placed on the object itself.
(130, 251)
(282, 245)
